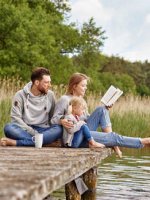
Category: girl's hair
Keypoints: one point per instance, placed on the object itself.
(78, 101)
(75, 79)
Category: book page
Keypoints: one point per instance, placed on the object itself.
(108, 95)
(114, 98)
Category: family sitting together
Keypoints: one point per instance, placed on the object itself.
(34, 110)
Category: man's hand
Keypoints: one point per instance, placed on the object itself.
(66, 124)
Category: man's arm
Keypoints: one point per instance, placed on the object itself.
(17, 112)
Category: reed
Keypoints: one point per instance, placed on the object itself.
(9, 86)
(130, 115)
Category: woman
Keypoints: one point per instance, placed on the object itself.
(100, 117)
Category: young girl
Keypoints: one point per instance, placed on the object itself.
(72, 136)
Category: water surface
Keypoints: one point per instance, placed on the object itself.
(126, 178)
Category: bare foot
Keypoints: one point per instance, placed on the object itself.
(7, 142)
(93, 143)
(145, 141)
(118, 152)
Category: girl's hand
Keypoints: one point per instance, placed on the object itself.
(67, 124)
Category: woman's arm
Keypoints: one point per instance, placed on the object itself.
(74, 124)
(60, 111)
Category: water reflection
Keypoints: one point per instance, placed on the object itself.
(126, 178)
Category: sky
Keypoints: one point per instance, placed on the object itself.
(126, 22)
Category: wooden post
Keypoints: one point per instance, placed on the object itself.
(90, 179)
(72, 192)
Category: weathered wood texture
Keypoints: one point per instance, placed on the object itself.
(32, 174)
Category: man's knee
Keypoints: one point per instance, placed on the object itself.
(7, 128)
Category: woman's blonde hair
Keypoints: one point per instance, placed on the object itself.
(75, 79)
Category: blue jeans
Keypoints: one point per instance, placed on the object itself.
(99, 118)
(113, 139)
(83, 133)
(23, 138)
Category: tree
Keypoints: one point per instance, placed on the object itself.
(33, 33)
(92, 37)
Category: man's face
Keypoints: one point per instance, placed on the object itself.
(44, 84)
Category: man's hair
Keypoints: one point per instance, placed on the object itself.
(38, 73)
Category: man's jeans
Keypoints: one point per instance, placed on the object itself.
(23, 138)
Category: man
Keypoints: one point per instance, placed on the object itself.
(32, 110)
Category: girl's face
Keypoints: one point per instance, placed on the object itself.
(78, 110)
(80, 88)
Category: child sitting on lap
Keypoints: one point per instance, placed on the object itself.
(73, 136)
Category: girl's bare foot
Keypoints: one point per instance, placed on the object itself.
(93, 143)
(7, 142)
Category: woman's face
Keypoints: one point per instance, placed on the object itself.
(80, 88)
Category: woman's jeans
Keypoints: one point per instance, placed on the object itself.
(100, 117)
(23, 138)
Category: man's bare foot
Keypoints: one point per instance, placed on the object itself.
(7, 142)
(93, 143)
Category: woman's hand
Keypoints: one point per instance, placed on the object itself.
(67, 124)
(108, 107)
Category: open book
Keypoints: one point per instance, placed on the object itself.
(111, 95)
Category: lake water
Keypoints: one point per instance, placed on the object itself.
(122, 179)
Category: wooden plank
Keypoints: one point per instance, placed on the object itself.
(30, 173)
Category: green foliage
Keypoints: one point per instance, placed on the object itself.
(37, 33)
(143, 90)
(33, 34)
(92, 37)
(103, 81)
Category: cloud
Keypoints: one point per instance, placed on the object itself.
(83, 10)
(126, 24)
(147, 18)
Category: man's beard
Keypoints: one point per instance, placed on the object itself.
(43, 91)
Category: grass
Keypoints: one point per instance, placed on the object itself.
(130, 115)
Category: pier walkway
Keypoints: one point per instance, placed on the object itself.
(32, 174)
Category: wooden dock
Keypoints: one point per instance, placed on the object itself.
(32, 174)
